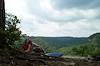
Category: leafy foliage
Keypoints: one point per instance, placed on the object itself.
(11, 35)
(90, 48)
(11, 32)
(60, 42)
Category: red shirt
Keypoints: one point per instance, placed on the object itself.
(25, 46)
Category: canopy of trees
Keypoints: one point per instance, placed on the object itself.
(90, 48)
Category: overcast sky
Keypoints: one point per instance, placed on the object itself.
(54, 18)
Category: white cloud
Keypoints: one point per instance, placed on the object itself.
(79, 28)
(17, 7)
(40, 18)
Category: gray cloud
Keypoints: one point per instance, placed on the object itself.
(80, 4)
(34, 8)
(65, 18)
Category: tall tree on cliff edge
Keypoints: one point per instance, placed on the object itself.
(2, 23)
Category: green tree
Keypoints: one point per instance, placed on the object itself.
(95, 38)
(12, 32)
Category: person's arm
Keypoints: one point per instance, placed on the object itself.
(29, 48)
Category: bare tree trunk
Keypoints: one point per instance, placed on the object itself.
(2, 22)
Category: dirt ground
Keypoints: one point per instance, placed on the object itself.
(69, 62)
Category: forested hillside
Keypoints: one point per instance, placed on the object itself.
(82, 46)
(54, 43)
(59, 42)
(90, 48)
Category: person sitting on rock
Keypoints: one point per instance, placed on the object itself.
(27, 46)
(31, 48)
